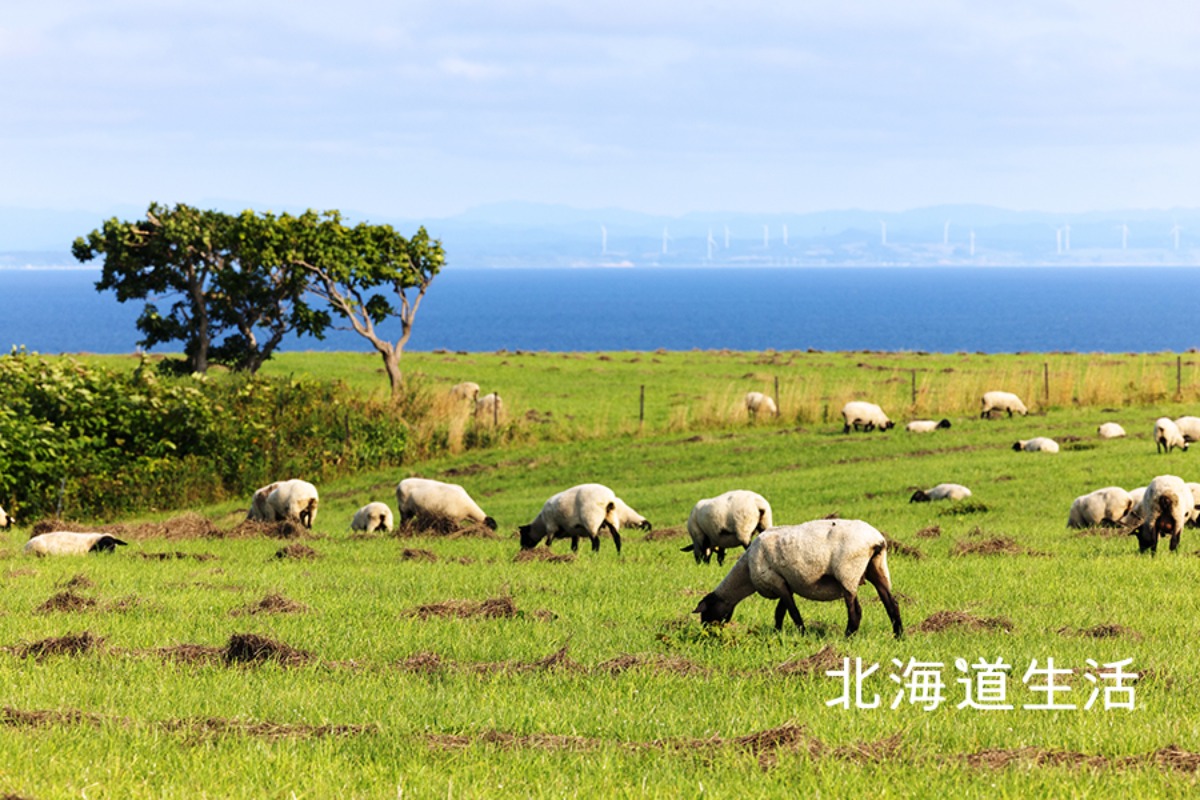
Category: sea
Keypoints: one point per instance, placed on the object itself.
(977, 309)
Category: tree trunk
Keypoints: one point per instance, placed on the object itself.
(391, 363)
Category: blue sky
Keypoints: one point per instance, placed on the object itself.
(424, 109)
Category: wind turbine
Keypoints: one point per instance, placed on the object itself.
(711, 244)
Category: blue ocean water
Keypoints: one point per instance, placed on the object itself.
(1108, 309)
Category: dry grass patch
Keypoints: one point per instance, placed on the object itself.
(945, 620)
(17, 718)
(209, 728)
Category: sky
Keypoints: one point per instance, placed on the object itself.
(423, 109)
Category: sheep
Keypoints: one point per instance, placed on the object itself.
(868, 416)
(926, 425)
(292, 500)
(1189, 427)
(757, 402)
(467, 390)
(424, 497)
(372, 517)
(1193, 519)
(489, 406)
(1001, 401)
(260, 511)
(6, 520)
(1105, 507)
(582, 510)
(1165, 509)
(628, 518)
(728, 520)
(1110, 430)
(1167, 436)
(820, 560)
(943, 491)
(1038, 444)
(69, 543)
(1134, 517)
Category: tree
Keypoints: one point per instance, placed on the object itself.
(360, 271)
(236, 290)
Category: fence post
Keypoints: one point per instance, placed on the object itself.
(776, 397)
(642, 406)
(1178, 377)
(496, 411)
(1046, 382)
(914, 388)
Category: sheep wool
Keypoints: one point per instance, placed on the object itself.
(1165, 508)
(373, 517)
(260, 511)
(427, 498)
(628, 518)
(1103, 507)
(1189, 428)
(1167, 436)
(71, 543)
(6, 520)
(926, 425)
(943, 491)
(467, 390)
(1001, 401)
(823, 560)
(1110, 430)
(489, 406)
(725, 521)
(294, 500)
(861, 415)
(759, 403)
(573, 513)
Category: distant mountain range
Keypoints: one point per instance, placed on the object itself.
(556, 236)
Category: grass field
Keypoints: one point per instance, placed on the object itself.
(442, 667)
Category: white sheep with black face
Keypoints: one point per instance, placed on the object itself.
(1105, 507)
(861, 415)
(1189, 428)
(926, 425)
(943, 491)
(725, 521)
(1168, 436)
(823, 560)
(294, 500)
(1166, 507)
(418, 498)
(575, 513)
(373, 517)
(1002, 402)
(71, 543)
(1038, 444)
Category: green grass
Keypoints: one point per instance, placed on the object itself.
(490, 722)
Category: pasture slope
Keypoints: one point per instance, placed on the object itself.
(204, 661)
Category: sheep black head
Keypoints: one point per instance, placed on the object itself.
(1018, 446)
(713, 608)
(489, 523)
(944, 423)
(106, 544)
(919, 496)
(529, 539)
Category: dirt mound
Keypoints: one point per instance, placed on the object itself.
(817, 664)
(671, 665)
(186, 526)
(208, 728)
(658, 534)
(999, 758)
(931, 532)
(178, 555)
(503, 607)
(301, 552)
(273, 603)
(16, 718)
(902, 549)
(79, 581)
(250, 529)
(543, 554)
(1107, 630)
(192, 654)
(250, 648)
(414, 554)
(69, 645)
(424, 525)
(423, 663)
(943, 620)
(67, 601)
(558, 660)
(994, 545)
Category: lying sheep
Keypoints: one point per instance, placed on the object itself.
(1110, 430)
(1038, 444)
(6, 520)
(423, 497)
(757, 402)
(489, 406)
(294, 500)
(926, 425)
(582, 510)
(943, 491)
(1167, 435)
(1106, 507)
(823, 560)
(859, 414)
(69, 543)
(728, 520)
(372, 517)
(1165, 508)
(1189, 427)
(1001, 401)
(467, 390)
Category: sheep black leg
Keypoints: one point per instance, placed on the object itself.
(1174, 541)
(853, 613)
(595, 544)
(574, 544)
(616, 540)
(720, 556)
(787, 604)
(874, 577)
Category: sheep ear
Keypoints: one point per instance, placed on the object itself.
(701, 607)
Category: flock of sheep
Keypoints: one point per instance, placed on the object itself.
(822, 560)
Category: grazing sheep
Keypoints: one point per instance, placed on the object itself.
(943, 491)
(372, 517)
(757, 402)
(6, 520)
(1110, 430)
(728, 520)
(1167, 435)
(69, 543)
(489, 406)
(1189, 427)
(926, 425)
(423, 497)
(260, 511)
(1165, 508)
(1105, 507)
(582, 510)
(467, 390)
(822, 560)
(867, 416)
(1001, 401)
(292, 500)
(1134, 517)
(1038, 444)
(628, 518)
